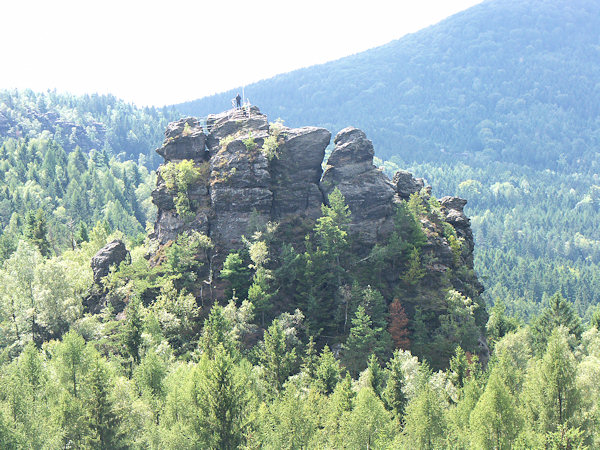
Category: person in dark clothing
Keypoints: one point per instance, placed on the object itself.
(238, 101)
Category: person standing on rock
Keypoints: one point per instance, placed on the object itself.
(238, 101)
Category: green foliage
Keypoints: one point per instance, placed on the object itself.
(551, 394)
(424, 425)
(216, 333)
(237, 273)
(275, 356)
(360, 343)
(132, 332)
(495, 420)
(558, 313)
(327, 372)
(46, 193)
(222, 400)
(250, 143)
(179, 177)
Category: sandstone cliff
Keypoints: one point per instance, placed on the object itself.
(243, 171)
(245, 181)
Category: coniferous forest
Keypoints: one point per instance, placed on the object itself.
(299, 338)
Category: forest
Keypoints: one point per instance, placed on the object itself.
(159, 367)
(346, 363)
(306, 343)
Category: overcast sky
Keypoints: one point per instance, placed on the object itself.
(157, 52)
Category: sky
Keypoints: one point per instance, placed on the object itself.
(158, 52)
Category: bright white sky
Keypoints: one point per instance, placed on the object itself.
(159, 52)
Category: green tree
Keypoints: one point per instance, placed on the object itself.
(216, 332)
(275, 357)
(558, 313)
(133, 329)
(393, 395)
(222, 399)
(361, 341)
(368, 425)
(425, 425)
(36, 231)
(495, 421)
(327, 372)
(103, 419)
(550, 392)
(237, 273)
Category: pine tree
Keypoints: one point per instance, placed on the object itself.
(558, 313)
(495, 421)
(550, 392)
(327, 373)
(393, 395)
(425, 426)
(275, 357)
(361, 341)
(132, 332)
(222, 399)
(103, 421)
(216, 332)
(36, 231)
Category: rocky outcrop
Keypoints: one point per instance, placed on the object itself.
(184, 139)
(367, 190)
(256, 172)
(245, 184)
(296, 172)
(111, 255)
(406, 185)
(452, 207)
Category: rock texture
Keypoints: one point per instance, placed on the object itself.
(112, 254)
(245, 185)
(367, 190)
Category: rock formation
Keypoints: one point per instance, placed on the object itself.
(243, 182)
(109, 256)
(243, 172)
(253, 172)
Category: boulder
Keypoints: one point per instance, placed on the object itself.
(112, 254)
(406, 185)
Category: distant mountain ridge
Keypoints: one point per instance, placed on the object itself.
(506, 80)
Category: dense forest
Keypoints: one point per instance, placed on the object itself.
(497, 104)
(160, 368)
(311, 343)
(100, 122)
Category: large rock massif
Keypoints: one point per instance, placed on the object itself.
(254, 172)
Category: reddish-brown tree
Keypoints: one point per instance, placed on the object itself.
(399, 325)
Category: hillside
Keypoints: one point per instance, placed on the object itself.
(498, 104)
(505, 80)
(100, 122)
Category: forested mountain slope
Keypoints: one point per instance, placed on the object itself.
(498, 104)
(505, 80)
(69, 163)
(100, 122)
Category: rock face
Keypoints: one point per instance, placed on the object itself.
(406, 185)
(254, 173)
(244, 183)
(112, 254)
(368, 191)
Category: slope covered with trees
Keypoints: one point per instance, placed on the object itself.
(100, 122)
(498, 104)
